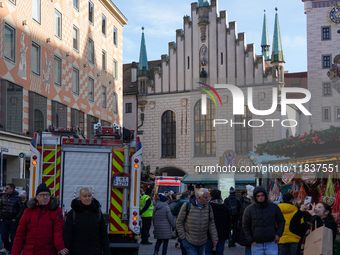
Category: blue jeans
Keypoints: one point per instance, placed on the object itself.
(219, 247)
(288, 248)
(192, 249)
(248, 250)
(165, 245)
(184, 252)
(268, 248)
(8, 227)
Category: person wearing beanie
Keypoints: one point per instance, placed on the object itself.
(222, 222)
(288, 244)
(234, 205)
(162, 222)
(11, 210)
(41, 226)
(263, 224)
(23, 196)
(146, 213)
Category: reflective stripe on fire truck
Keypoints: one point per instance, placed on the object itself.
(51, 170)
(116, 225)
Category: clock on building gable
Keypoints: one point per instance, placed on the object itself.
(334, 15)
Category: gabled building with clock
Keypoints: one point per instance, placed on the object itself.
(323, 55)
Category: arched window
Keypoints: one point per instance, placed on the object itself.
(287, 133)
(38, 120)
(243, 133)
(169, 134)
(205, 132)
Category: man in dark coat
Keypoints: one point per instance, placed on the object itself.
(234, 205)
(40, 230)
(263, 224)
(222, 222)
(11, 208)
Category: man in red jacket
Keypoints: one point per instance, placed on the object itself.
(40, 230)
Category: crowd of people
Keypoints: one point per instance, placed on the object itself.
(203, 222)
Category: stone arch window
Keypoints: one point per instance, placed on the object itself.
(205, 132)
(243, 133)
(287, 133)
(38, 120)
(168, 134)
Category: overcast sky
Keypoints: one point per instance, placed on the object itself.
(161, 18)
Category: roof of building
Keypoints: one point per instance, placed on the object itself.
(277, 53)
(131, 87)
(203, 3)
(143, 69)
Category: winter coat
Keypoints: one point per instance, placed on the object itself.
(178, 206)
(222, 219)
(40, 230)
(240, 237)
(288, 211)
(300, 229)
(228, 200)
(11, 206)
(87, 232)
(195, 225)
(262, 221)
(162, 221)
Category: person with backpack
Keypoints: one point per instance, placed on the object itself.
(234, 205)
(194, 221)
(184, 198)
(222, 221)
(85, 231)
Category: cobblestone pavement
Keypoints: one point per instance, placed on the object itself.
(148, 249)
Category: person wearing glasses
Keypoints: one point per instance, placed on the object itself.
(263, 224)
(11, 210)
(85, 230)
(40, 229)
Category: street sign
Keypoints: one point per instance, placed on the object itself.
(4, 149)
(21, 155)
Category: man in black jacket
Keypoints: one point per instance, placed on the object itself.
(11, 209)
(222, 222)
(234, 205)
(263, 224)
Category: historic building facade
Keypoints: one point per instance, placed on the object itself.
(175, 117)
(61, 65)
(323, 53)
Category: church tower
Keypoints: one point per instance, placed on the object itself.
(143, 68)
(277, 59)
(265, 38)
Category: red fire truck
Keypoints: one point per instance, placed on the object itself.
(109, 164)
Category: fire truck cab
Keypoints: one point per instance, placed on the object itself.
(108, 164)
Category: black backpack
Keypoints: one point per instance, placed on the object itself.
(233, 205)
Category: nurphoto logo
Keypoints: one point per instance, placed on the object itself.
(238, 104)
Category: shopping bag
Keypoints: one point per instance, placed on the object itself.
(319, 241)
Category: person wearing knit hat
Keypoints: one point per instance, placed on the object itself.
(22, 194)
(234, 205)
(146, 213)
(162, 222)
(45, 238)
(23, 198)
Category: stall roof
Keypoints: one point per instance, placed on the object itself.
(209, 178)
(257, 160)
(199, 178)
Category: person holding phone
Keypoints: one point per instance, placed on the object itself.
(321, 213)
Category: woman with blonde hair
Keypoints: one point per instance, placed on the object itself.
(85, 231)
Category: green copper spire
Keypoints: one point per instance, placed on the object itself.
(277, 53)
(265, 38)
(202, 3)
(143, 69)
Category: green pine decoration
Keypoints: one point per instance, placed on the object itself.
(303, 145)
